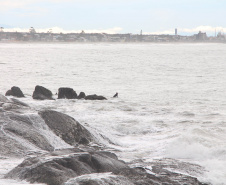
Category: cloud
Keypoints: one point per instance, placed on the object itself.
(61, 30)
(188, 31)
(11, 4)
(6, 5)
(204, 29)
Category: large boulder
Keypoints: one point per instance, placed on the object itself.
(18, 135)
(95, 97)
(81, 95)
(66, 127)
(15, 91)
(81, 168)
(41, 93)
(66, 93)
(55, 170)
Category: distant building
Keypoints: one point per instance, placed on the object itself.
(201, 36)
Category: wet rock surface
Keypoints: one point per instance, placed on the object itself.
(66, 127)
(41, 93)
(21, 135)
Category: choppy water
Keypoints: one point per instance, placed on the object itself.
(171, 104)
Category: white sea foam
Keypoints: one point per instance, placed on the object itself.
(100, 178)
(171, 96)
(53, 139)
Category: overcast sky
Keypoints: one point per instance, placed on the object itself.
(115, 16)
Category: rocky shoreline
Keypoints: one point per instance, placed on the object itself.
(78, 160)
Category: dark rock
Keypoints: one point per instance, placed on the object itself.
(15, 91)
(57, 170)
(66, 93)
(81, 95)
(107, 162)
(66, 127)
(84, 141)
(9, 93)
(95, 97)
(41, 93)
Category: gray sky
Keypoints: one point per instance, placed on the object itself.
(115, 16)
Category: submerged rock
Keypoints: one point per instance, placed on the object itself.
(15, 91)
(95, 97)
(66, 93)
(41, 93)
(66, 127)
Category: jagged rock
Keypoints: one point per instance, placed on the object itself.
(41, 93)
(66, 127)
(57, 170)
(66, 93)
(81, 95)
(95, 97)
(15, 91)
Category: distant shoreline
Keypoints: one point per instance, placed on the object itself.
(65, 42)
(83, 37)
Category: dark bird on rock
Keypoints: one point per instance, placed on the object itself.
(116, 95)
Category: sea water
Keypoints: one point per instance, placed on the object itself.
(171, 104)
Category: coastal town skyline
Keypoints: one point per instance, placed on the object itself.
(33, 36)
